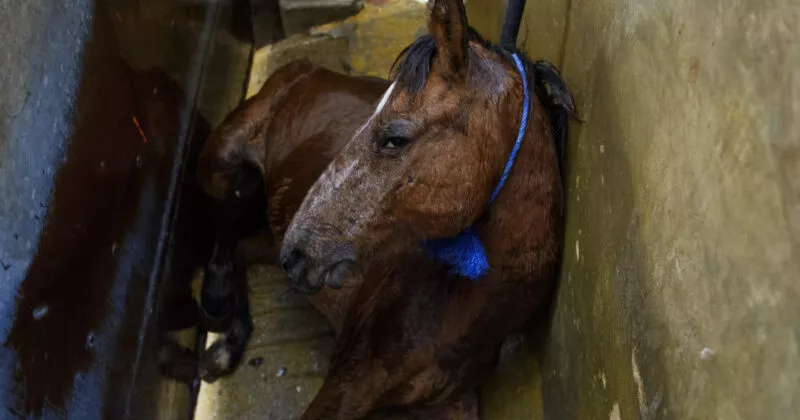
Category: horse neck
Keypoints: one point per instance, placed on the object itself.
(522, 231)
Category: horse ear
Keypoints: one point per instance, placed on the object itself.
(448, 26)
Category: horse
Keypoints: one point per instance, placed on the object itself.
(230, 165)
(285, 137)
(462, 154)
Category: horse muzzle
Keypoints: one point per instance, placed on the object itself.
(309, 273)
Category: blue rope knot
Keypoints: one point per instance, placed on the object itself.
(465, 252)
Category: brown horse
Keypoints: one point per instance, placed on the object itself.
(424, 168)
(235, 155)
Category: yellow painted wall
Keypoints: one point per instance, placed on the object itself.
(680, 290)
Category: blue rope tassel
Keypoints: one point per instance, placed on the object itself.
(465, 252)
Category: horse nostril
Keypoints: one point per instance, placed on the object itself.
(294, 262)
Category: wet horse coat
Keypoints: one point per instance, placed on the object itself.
(423, 168)
(410, 333)
(230, 165)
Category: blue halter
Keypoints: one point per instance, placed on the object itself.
(464, 252)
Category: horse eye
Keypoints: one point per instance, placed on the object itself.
(391, 138)
(394, 142)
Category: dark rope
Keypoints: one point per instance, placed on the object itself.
(511, 23)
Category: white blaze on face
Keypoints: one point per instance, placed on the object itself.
(341, 174)
(384, 99)
(381, 104)
(333, 178)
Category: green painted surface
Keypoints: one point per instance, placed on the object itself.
(679, 294)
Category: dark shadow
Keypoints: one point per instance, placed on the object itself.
(81, 307)
(594, 325)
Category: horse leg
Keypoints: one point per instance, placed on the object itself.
(216, 295)
(175, 361)
(328, 404)
(352, 389)
(224, 296)
(229, 177)
(229, 180)
(336, 401)
(224, 355)
(333, 305)
(178, 311)
(177, 307)
(464, 408)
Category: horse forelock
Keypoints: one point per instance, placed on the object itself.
(412, 68)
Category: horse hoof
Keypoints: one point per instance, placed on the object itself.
(218, 360)
(177, 362)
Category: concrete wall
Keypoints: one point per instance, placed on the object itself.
(679, 292)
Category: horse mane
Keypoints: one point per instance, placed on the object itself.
(413, 65)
